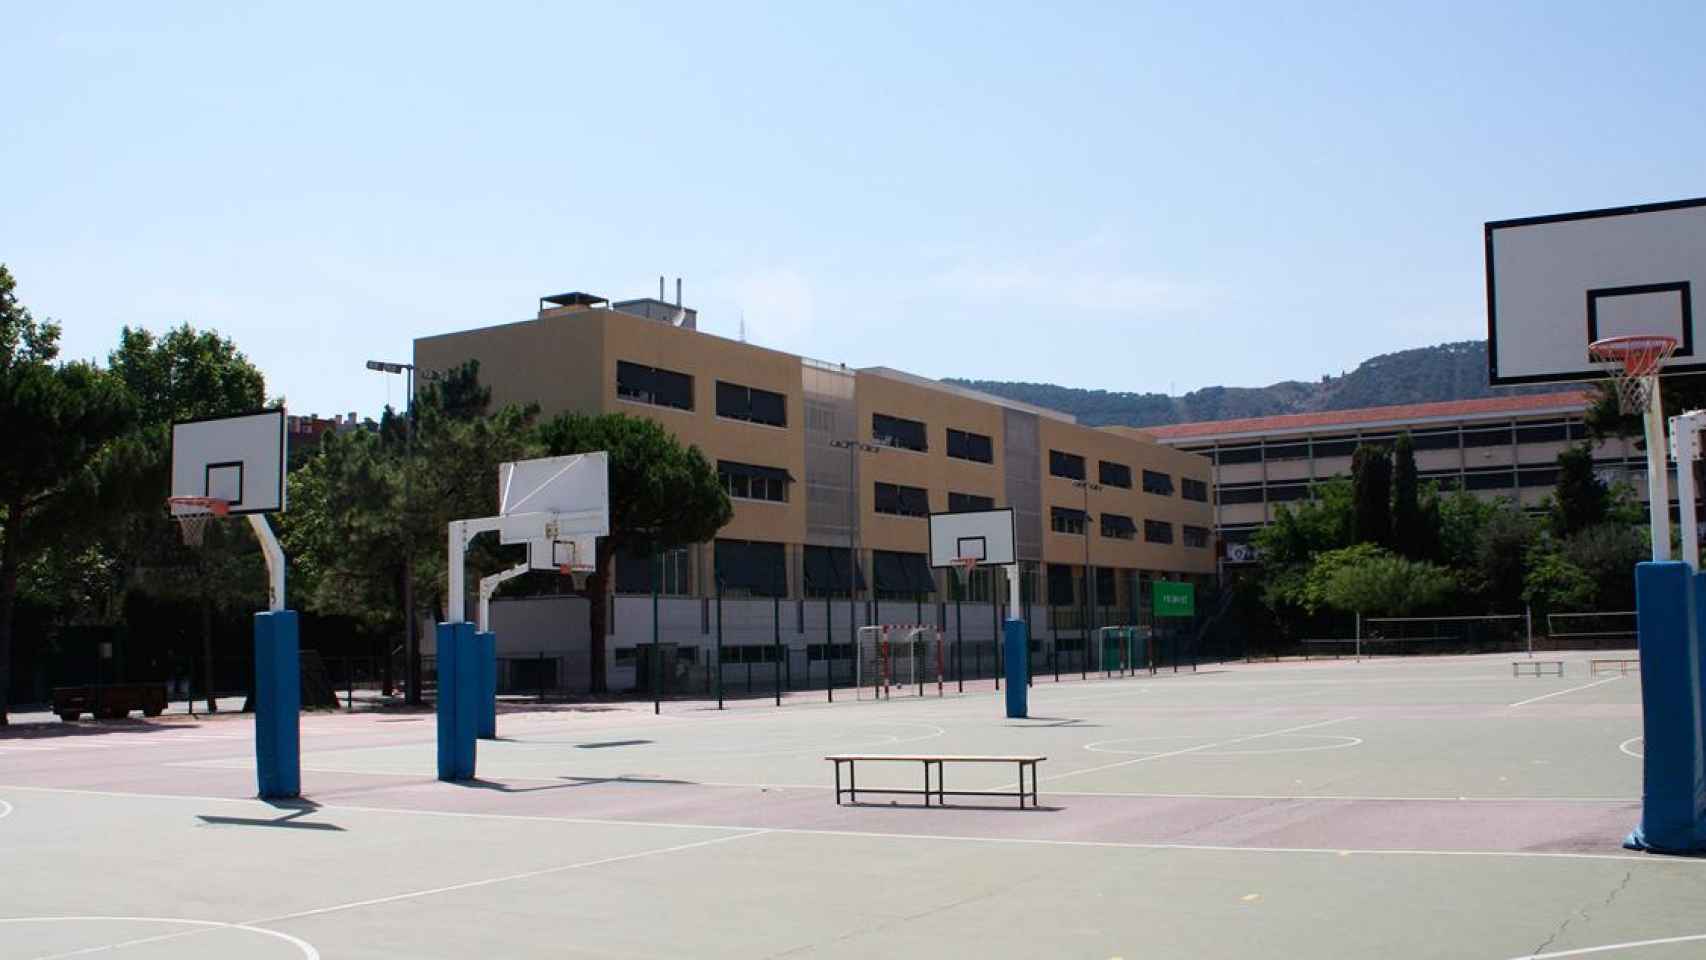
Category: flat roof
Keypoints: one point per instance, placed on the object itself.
(1397, 415)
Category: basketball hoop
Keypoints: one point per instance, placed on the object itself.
(194, 514)
(966, 565)
(1633, 364)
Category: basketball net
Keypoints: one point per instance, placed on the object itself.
(1633, 364)
(193, 515)
(966, 565)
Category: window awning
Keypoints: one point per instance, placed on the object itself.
(826, 569)
(1118, 523)
(902, 572)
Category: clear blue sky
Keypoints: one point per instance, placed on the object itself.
(1130, 196)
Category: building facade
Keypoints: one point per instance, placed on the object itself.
(1494, 447)
(778, 426)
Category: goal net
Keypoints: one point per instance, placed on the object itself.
(898, 660)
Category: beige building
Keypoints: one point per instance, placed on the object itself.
(775, 425)
(1493, 447)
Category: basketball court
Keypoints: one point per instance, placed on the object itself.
(1417, 807)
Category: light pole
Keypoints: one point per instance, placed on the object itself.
(1089, 583)
(411, 645)
(854, 447)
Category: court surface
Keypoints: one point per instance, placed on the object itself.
(1389, 808)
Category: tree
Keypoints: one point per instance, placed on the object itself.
(1412, 535)
(1553, 583)
(1501, 557)
(662, 496)
(1326, 566)
(1582, 499)
(1607, 554)
(59, 419)
(1387, 585)
(1371, 483)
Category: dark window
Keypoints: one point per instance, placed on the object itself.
(1105, 592)
(1193, 489)
(1228, 455)
(1496, 437)
(1068, 465)
(750, 403)
(1436, 440)
(1066, 520)
(751, 482)
(1333, 447)
(1578, 430)
(1062, 586)
(1280, 493)
(654, 385)
(634, 572)
(1195, 536)
(962, 502)
(1286, 451)
(1113, 474)
(899, 575)
(1241, 494)
(757, 567)
(1542, 433)
(902, 501)
(898, 432)
(827, 570)
(838, 651)
(1117, 527)
(1541, 477)
(1161, 483)
(1490, 480)
(970, 446)
(1157, 531)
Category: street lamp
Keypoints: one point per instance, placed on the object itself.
(411, 645)
(854, 447)
(1089, 582)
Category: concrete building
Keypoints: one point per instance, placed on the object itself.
(771, 422)
(1494, 447)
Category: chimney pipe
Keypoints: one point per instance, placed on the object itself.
(678, 291)
(660, 286)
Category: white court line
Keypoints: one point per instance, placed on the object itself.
(5, 809)
(1624, 747)
(1195, 749)
(307, 948)
(1336, 796)
(1630, 945)
(1559, 693)
(809, 832)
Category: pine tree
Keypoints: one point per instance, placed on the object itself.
(1410, 535)
(1371, 483)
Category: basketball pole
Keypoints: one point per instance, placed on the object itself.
(1658, 485)
(1685, 449)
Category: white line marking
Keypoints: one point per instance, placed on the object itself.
(1559, 693)
(5, 809)
(1333, 743)
(307, 948)
(1631, 945)
(804, 831)
(1624, 746)
(1335, 796)
(1196, 749)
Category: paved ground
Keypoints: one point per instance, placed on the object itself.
(1394, 808)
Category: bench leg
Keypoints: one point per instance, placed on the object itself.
(837, 782)
(926, 766)
(852, 782)
(941, 787)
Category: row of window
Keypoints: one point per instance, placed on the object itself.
(1119, 527)
(1554, 431)
(1485, 478)
(667, 388)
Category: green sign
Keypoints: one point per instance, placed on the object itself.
(1175, 599)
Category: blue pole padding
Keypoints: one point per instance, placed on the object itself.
(486, 658)
(467, 702)
(456, 724)
(1016, 643)
(1673, 791)
(278, 706)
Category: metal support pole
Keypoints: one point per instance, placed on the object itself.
(776, 603)
(719, 643)
(1359, 637)
(411, 639)
(1685, 449)
(1658, 483)
(959, 636)
(1528, 622)
(657, 656)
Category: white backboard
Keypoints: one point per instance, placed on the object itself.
(240, 459)
(554, 499)
(1557, 283)
(985, 534)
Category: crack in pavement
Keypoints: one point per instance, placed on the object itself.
(1583, 913)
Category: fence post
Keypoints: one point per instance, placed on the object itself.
(959, 638)
(1528, 620)
(1359, 636)
(657, 658)
(719, 643)
(778, 610)
(539, 675)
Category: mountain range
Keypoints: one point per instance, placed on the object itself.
(1449, 371)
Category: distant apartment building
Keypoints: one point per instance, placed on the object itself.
(304, 432)
(776, 425)
(1494, 447)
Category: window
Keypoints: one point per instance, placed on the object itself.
(748, 481)
(634, 572)
(654, 385)
(1435, 440)
(752, 404)
(754, 566)
(1062, 586)
(1066, 520)
(1117, 527)
(1161, 483)
(1195, 536)
(1193, 489)
(828, 571)
(1284, 492)
(961, 502)
(970, 446)
(898, 432)
(1231, 455)
(1496, 437)
(1543, 433)
(1334, 447)
(1496, 479)
(1068, 465)
(902, 501)
(1251, 494)
(1112, 474)
(1286, 451)
(1537, 476)
(1157, 531)
(898, 575)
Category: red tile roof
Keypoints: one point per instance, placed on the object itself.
(1398, 414)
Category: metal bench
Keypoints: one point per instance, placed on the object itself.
(940, 792)
(1621, 666)
(1535, 667)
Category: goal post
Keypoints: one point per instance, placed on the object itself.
(898, 658)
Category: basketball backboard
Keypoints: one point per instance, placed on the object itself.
(1558, 283)
(552, 503)
(984, 534)
(237, 459)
